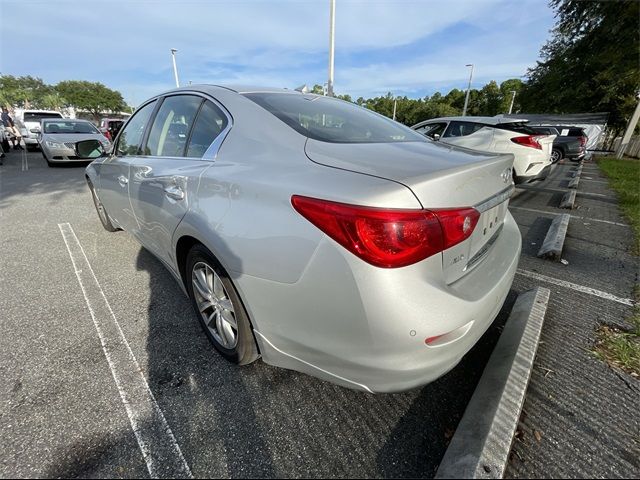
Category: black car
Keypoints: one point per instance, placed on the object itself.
(570, 142)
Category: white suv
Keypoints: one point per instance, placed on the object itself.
(29, 123)
(531, 151)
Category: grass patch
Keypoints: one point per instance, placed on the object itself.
(624, 178)
(621, 348)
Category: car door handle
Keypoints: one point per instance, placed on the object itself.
(174, 192)
(123, 181)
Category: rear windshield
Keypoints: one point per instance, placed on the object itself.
(335, 121)
(519, 127)
(37, 116)
(69, 126)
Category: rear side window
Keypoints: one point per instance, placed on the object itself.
(170, 129)
(131, 137)
(462, 129)
(432, 129)
(329, 120)
(209, 124)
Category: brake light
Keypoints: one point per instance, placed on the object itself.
(388, 238)
(528, 141)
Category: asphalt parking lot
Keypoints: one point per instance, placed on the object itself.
(62, 413)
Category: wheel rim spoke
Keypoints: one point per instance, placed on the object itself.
(229, 319)
(226, 304)
(200, 282)
(202, 306)
(218, 288)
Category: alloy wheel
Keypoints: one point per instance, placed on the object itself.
(215, 305)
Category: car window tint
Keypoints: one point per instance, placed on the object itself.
(330, 120)
(131, 136)
(462, 129)
(170, 129)
(209, 124)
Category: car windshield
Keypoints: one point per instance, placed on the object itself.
(331, 120)
(69, 126)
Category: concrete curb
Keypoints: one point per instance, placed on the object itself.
(574, 183)
(577, 172)
(554, 240)
(568, 201)
(482, 442)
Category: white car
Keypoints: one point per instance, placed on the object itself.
(28, 121)
(531, 151)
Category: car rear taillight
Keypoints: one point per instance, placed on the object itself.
(388, 238)
(528, 141)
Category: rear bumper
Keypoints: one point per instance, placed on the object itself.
(520, 179)
(368, 330)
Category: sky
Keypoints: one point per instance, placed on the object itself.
(407, 47)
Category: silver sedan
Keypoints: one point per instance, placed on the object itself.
(315, 233)
(58, 137)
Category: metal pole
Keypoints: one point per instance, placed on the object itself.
(175, 69)
(630, 129)
(513, 92)
(395, 102)
(332, 27)
(466, 98)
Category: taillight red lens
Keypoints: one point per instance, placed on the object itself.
(388, 238)
(528, 141)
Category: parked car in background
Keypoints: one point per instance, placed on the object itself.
(313, 232)
(573, 132)
(59, 136)
(28, 121)
(531, 151)
(570, 147)
(110, 127)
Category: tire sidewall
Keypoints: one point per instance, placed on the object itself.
(558, 155)
(245, 350)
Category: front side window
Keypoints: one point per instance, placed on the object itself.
(462, 129)
(170, 129)
(209, 124)
(131, 137)
(330, 120)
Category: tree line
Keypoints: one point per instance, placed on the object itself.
(31, 92)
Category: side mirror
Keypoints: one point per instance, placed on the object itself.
(35, 130)
(436, 137)
(89, 149)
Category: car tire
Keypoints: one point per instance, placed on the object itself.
(556, 155)
(211, 295)
(101, 211)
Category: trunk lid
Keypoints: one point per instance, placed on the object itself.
(440, 176)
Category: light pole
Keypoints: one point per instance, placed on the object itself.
(175, 69)
(395, 103)
(513, 97)
(332, 43)
(466, 98)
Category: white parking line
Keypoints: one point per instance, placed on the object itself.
(547, 189)
(157, 443)
(588, 219)
(575, 286)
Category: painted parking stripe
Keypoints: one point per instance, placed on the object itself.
(588, 219)
(547, 189)
(158, 445)
(575, 286)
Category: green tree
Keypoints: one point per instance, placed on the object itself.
(507, 87)
(23, 91)
(92, 97)
(591, 62)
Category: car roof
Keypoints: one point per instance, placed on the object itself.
(41, 111)
(45, 120)
(485, 120)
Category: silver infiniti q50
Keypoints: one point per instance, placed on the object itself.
(315, 233)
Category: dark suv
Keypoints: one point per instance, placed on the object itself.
(570, 142)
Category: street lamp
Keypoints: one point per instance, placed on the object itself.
(466, 98)
(513, 97)
(332, 44)
(175, 69)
